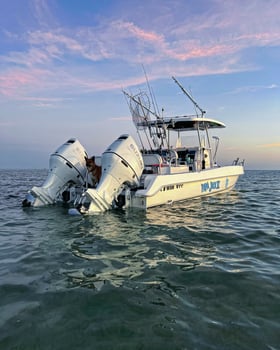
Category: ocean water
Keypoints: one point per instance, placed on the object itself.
(202, 274)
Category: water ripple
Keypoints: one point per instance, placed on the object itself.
(201, 274)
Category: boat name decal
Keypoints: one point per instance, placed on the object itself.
(210, 185)
(172, 187)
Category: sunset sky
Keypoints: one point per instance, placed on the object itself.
(64, 63)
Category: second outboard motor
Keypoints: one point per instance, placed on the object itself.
(67, 168)
(122, 165)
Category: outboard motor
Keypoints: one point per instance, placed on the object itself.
(122, 165)
(67, 169)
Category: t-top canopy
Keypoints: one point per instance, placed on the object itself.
(184, 123)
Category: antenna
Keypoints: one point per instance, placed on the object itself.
(189, 96)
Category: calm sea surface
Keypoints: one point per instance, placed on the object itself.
(203, 274)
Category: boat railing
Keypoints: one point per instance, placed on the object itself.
(237, 161)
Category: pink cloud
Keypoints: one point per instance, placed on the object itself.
(19, 83)
(39, 37)
(219, 37)
(199, 52)
(32, 84)
(13, 80)
(138, 32)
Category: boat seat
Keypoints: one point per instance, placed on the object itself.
(152, 159)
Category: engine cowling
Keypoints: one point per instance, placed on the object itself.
(122, 165)
(67, 167)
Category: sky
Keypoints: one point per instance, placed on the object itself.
(64, 63)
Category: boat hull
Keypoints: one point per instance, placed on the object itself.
(166, 189)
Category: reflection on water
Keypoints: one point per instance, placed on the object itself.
(118, 246)
(112, 248)
(196, 214)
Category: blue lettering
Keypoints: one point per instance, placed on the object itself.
(213, 185)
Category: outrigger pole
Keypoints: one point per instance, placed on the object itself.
(202, 114)
(189, 96)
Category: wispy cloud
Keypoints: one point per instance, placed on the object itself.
(270, 145)
(50, 57)
(43, 13)
(253, 88)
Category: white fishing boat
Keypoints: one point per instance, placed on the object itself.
(163, 170)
